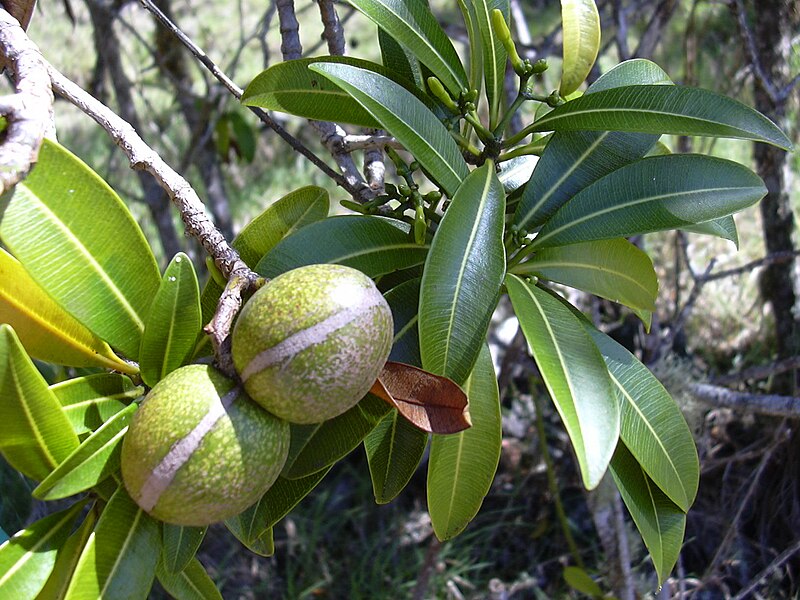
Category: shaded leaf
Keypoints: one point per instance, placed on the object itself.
(264, 545)
(173, 324)
(180, 546)
(411, 23)
(462, 465)
(663, 109)
(573, 372)
(66, 559)
(579, 580)
(28, 558)
(35, 434)
(652, 427)
(653, 194)
(314, 447)
(90, 401)
(660, 522)
(403, 115)
(613, 269)
(105, 276)
(47, 331)
(192, 583)
(372, 245)
(494, 56)
(462, 277)
(431, 402)
(580, 24)
(403, 300)
(399, 60)
(120, 558)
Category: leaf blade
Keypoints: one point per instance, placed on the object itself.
(192, 583)
(581, 35)
(180, 544)
(494, 54)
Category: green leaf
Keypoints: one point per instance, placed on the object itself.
(581, 42)
(475, 44)
(663, 109)
(652, 426)
(404, 302)
(35, 434)
(653, 194)
(399, 60)
(372, 245)
(314, 447)
(494, 55)
(105, 276)
(660, 522)
(119, 560)
(27, 559)
(462, 465)
(574, 159)
(411, 23)
(47, 331)
(192, 583)
(263, 545)
(574, 373)
(462, 277)
(173, 324)
(403, 115)
(245, 137)
(613, 269)
(66, 559)
(723, 227)
(251, 525)
(91, 462)
(579, 580)
(90, 401)
(180, 546)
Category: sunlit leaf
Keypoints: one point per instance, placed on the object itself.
(462, 465)
(27, 559)
(66, 559)
(660, 522)
(47, 331)
(105, 276)
(462, 277)
(35, 434)
(90, 401)
(370, 244)
(574, 373)
(180, 546)
(119, 560)
(403, 115)
(580, 24)
(653, 194)
(172, 326)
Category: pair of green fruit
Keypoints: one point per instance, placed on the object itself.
(307, 347)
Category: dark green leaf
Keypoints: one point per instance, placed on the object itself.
(27, 559)
(462, 277)
(173, 324)
(652, 426)
(399, 60)
(411, 23)
(653, 194)
(403, 115)
(660, 522)
(663, 109)
(35, 434)
(613, 269)
(494, 55)
(95, 459)
(579, 580)
(180, 546)
(192, 583)
(119, 560)
(462, 465)
(404, 302)
(105, 276)
(315, 447)
(245, 136)
(372, 245)
(723, 227)
(574, 373)
(264, 545)
(89, 401)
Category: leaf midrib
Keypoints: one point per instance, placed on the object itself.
(535, 265)
(122, 551)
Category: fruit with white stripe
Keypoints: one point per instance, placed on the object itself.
(199, 450)
(310, 343)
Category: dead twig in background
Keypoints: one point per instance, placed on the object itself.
(763, 404)
(759, 372)
(769, 570)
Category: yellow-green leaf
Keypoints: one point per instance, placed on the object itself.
(581, 39)
(89, 401)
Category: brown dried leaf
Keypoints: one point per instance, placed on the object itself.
(21, 10)
(431, 402)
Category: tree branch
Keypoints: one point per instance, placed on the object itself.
(29, 111)
(764, 404)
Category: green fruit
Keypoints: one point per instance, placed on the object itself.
(199, 450)
(310, 343)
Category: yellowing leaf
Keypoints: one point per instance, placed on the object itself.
(581, 33)
(46, 330)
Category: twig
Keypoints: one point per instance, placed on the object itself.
(759, 372)
(236, 91)
(423, 579)
(769, 570)
(765, 404)
(29, 111)
(749, 41)
(770, 259)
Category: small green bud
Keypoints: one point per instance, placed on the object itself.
(433, 196)
(354, 206)
(503, 33)
(414, 166)
(437, 89)
(420, 226)
(404, 190)
(471, 96)
(215, 273)
(540, 66)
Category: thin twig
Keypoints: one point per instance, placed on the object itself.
(770, 259)
(29, 111)
(769, 570)
(760, 372)
(764, 404)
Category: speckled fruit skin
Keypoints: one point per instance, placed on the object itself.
(310, 343)
(235, 463)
